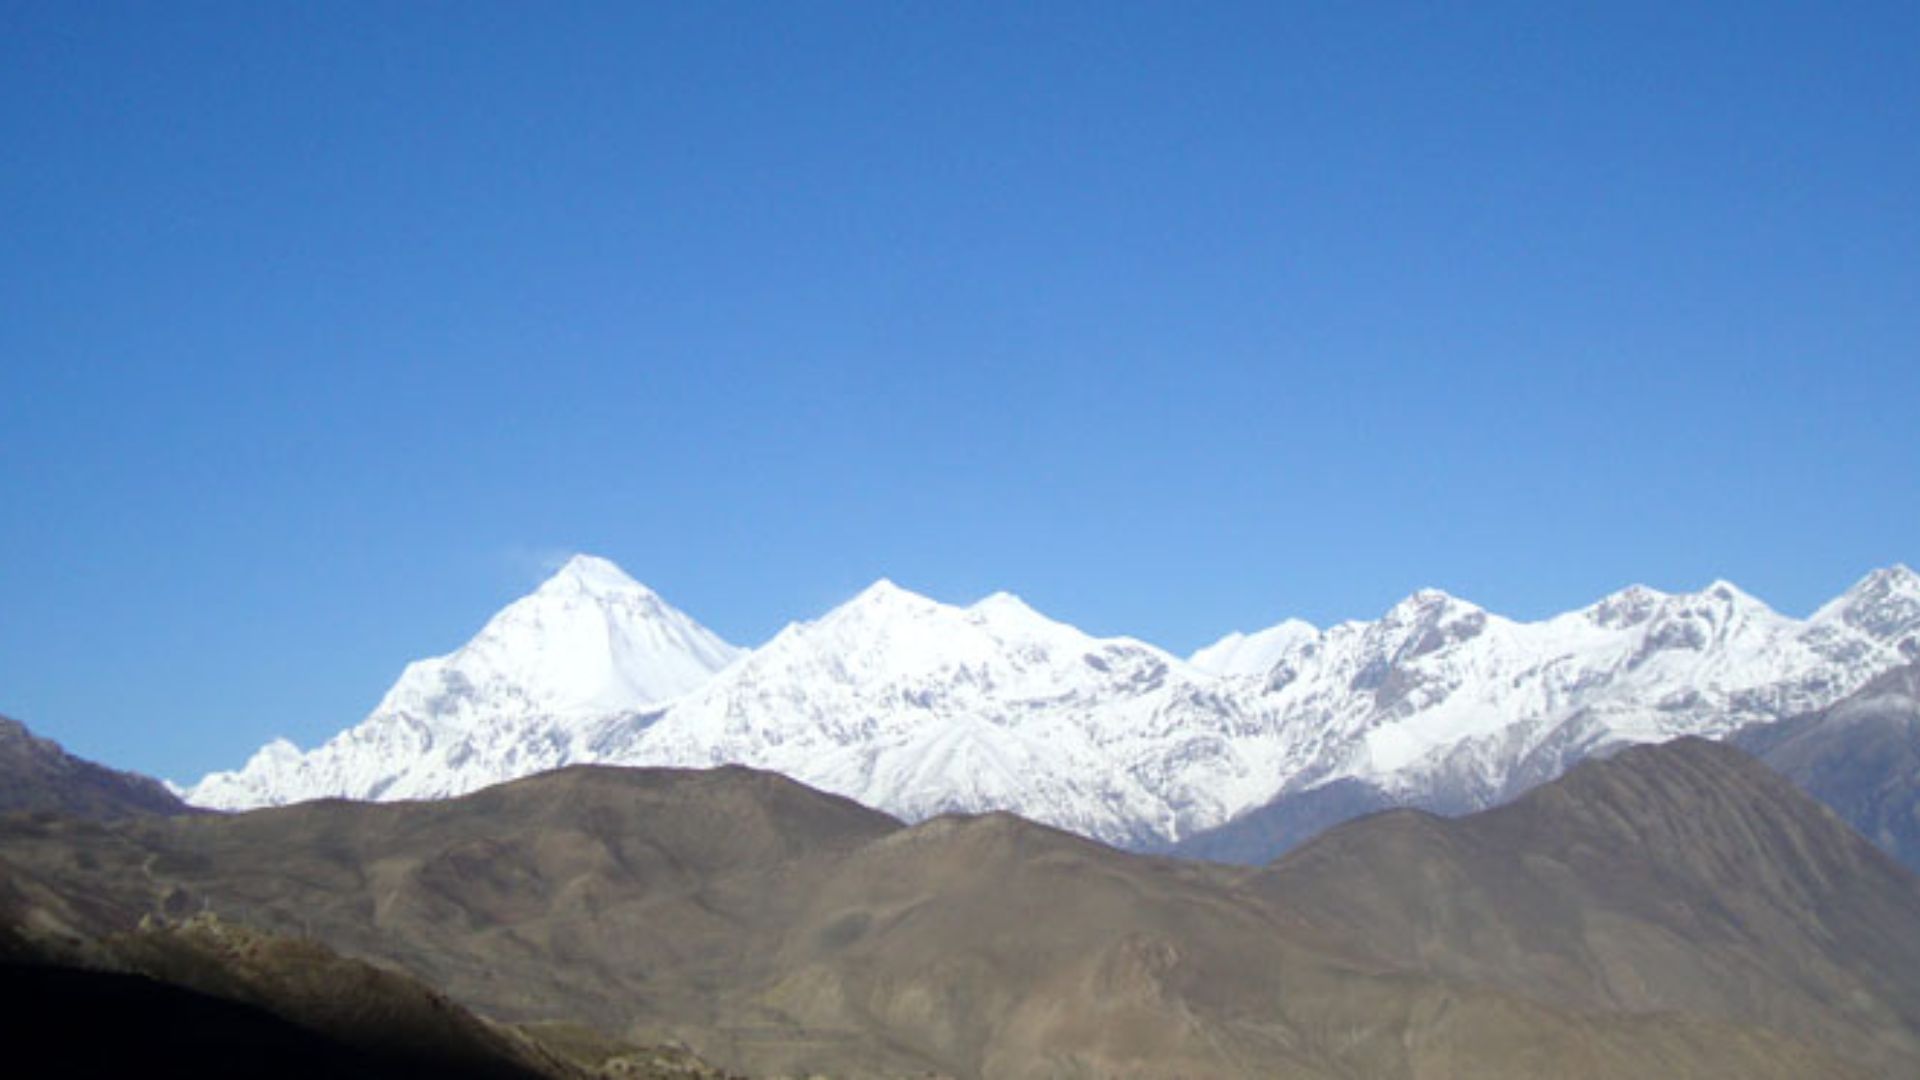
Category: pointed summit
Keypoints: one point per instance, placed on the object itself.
(590, 638)
(1253, 654)
(1884, 605)
(1018, 625)
(590, 642)
(1001, 601)
(1004, 608)
(883, 596)
(883, 589)
(1429, 606)
(1426, 622)
(1722, 603)
(1728, 593)
(1630, 606)
(593, 575)
(882, 610)
(1888, 581)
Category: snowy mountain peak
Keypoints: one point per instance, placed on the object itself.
(871, 611)
(276, 752)
(1239, 654)
(594, 576)
(1425, 605)
(1733, 596)
(885, 595)
(1010, 614)
(919, 707)
(1429, 620)
(1717, 618)
(590, 638)
(1630, 606)
(1003, 602)
(1884, 605)
(1894, 582)
(894, 633)
(905, 702)
(589, 641)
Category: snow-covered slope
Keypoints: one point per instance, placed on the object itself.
(1253, 654)
(588, 642)
(1444, 704)
(918, 707)
(1884, 606)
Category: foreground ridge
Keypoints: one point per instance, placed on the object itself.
(1675, 910)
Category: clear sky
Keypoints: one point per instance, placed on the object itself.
(324, 328)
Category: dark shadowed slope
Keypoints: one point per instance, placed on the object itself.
(37, 775)
(83, 1023)
(1591, 930)
(207, 998)
(1860, 756)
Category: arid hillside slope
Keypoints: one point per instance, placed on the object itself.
(1676, 911)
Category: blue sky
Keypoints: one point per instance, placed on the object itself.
(323, 328)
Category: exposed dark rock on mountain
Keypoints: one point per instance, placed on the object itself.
(36, 774)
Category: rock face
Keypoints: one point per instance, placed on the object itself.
(37, 775)
(1675, 910)
(1860, 756)
(920, 708)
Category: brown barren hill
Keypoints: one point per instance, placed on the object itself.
(1684, 878)
(1678, 911)
(36, 774)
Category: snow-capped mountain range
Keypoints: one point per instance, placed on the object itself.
(919, 707)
